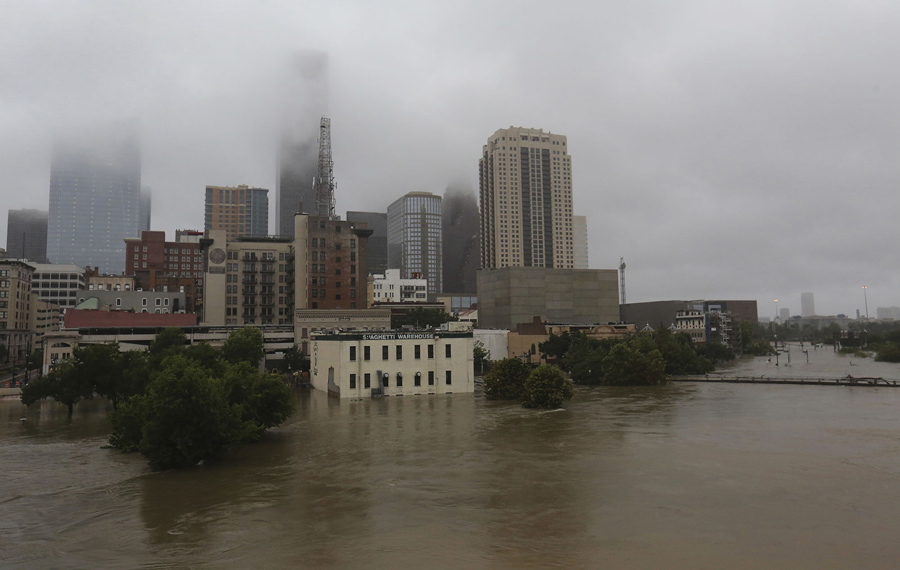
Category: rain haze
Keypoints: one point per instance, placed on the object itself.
(737, 150)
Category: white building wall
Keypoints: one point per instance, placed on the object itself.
(342, 358)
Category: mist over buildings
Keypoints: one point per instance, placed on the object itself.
(461, 250)
(742, 151)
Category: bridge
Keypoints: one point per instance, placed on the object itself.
(792, 380)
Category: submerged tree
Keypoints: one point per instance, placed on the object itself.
(506, 379)
(546, 387)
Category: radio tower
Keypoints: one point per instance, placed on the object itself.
(323, 184)
(622, 273)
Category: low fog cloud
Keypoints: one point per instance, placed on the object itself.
(737, 151)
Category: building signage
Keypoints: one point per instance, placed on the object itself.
(398, 336)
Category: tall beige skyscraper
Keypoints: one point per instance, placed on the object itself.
(526, 200)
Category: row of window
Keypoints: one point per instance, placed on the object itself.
(386, 379)
(385, 352)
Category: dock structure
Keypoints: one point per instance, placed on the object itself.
(840, 381)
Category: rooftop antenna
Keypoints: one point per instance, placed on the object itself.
(622, 278)
(323, 184)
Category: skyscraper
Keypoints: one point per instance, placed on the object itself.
(26, 235)
(580, 241)
(526, 200)
(306, 96)
(461, 253)
(145, 209)
(376, 249)
(807, 305)
(95, 187)
(414, 238)
(240, 211)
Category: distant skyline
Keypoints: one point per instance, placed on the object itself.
(742, 151)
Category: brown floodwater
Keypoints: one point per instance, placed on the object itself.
(685, 476)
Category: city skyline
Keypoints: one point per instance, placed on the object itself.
(697, 154)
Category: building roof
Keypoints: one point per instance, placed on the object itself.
(78, 319)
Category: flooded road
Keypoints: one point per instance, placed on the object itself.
(682, 476)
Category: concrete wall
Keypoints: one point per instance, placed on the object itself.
(513, 295)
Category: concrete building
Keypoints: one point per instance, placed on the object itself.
(15, 309)
(807, 305)
(95, 188)
(377, 248)
(414, 238)
(95, 282)
(524, 341)
(26, 235)
(159, 265)
(45, 318)
(580, 241)
(157, 302)
(60, 284)
(391, 288)
(526, 200)
(336, 253)
(248, 281)
(239, 211)
(392, 363)
(656, 313)
(513, 295)
(145, 207)
(309, 321)
(888, 313)
(784, 314)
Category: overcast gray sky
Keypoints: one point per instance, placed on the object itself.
(724, 149)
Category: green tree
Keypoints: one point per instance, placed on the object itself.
(888, 352)
(679, 354)
(265, 400)
(557, 345)
(546, 387)
(295, 361)
(715, 352)
(626, 365)
(506, 379)
(208, 356)
(185, 417)
(100, 366)
(244, 345)
(35, 361)
(63, 385)
(480, 356)
(584, 359)
(420, 318)
(168, 342)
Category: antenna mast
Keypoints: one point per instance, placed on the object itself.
(324, 181)
(622, 282)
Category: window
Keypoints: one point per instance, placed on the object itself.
(366, 353)
(447, 352)
(353, 381)
(418, 352)
(384, 352)
(448, 377)
(399, 380)
(430, 351)
(158, 302)
(144, 302)
(385, 380)
(417, 380)
(367, 380)
(431, 377)
(352, 353)
(399, 352)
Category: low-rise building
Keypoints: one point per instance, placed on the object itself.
(392, 363)
(308, 322)
(159, 302)
(15, 310)
(391, 288)
(60, 284)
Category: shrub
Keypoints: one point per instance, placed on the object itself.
(546, 387)
(506, 379)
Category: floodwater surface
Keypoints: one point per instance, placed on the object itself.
(684, 476)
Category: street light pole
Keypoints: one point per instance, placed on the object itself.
(866, 299)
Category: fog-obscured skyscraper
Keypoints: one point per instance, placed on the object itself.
(807, 305)
(26, 235)
(95, 189)
(377, 248)
(145, 208)
(414, 238)
(306, 101)
(460, 245)
(526, 200)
